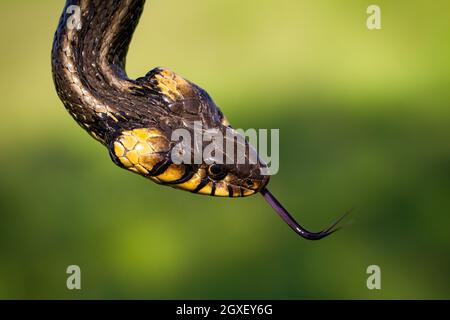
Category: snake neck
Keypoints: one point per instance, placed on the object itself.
(88, 60)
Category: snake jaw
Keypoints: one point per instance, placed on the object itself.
(141, 150)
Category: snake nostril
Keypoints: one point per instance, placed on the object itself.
(249, 183)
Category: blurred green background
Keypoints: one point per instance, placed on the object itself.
(364, 120)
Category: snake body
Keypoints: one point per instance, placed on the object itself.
(135, 118)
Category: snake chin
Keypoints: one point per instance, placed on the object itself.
(222, 181)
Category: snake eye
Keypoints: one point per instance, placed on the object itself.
(217, 172)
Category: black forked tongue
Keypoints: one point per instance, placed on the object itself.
(294, 225)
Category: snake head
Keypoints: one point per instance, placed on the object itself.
(150, 153)
(215, 159)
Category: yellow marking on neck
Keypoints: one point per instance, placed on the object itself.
(128, 142)
(133, 156)
(125, 162)
(139, 149)
(119, 149)
(143, 148)
(172, 85)
(141, 134)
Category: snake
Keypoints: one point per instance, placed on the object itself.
(135, 118)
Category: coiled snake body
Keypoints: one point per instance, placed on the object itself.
(135, 118)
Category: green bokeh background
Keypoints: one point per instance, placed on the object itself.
(364, 120)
